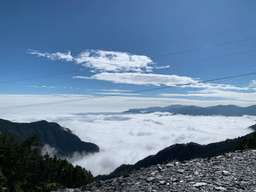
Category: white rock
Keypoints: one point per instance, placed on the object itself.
(180, 171)
(169, 165)
(196, 173)
(225, 173)
(199, 184)
(220, 188)
(149, 179)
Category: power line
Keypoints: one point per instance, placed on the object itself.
(204, 81)
(190, 50)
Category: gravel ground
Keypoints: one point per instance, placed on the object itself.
(230, 172)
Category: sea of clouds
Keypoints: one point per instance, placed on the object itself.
(122, 138)
(127, 138)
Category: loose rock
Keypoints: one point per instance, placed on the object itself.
(232, 172)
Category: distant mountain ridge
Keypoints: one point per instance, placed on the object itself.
(225, 110)
(182, 152)
(52, 134)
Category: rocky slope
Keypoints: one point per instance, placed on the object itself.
(51, 134)
(232, 172)
(183, 152)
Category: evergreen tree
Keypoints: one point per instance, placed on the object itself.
(22, 168)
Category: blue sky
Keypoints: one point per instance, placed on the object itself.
(118, 47)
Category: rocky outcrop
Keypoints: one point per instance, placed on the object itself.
(50, 134)
(233, 172)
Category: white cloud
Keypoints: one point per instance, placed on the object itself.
(48, 150)
(116, 93)
(100, 60)
(53, 56)
(47, 106)
(234, 95)
(114, 61)
(163, 67)
(142, 79)
(252, 84)
(146, 134)
(221, 86)
(116, 90)
(158, 80)
(120, 92)
(43, 86)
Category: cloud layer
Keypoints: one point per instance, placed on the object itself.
(47, 106)
(212, 93)
(124, 138)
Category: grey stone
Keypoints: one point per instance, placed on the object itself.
(234, 172)
(220, 188)
(199, 184)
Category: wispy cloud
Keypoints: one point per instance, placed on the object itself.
(159, 80)
(43, 86)
(163, 67)
(142, 78)
(118, 92)
(231, 95)
(64, 56)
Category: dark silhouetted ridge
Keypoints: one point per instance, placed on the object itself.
(52, 134)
